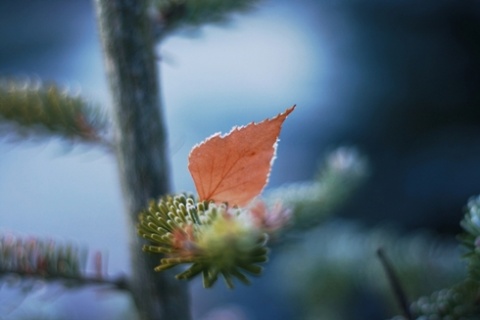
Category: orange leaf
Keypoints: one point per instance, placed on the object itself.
(234, 168)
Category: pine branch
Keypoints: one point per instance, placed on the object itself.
(23, 259)
(173, 15)
(461, 301)
(34, 109)
(423, 265)
(458, 302)
(337, 260)
(470, 238)
(339, 176)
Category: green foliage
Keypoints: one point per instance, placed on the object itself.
(457, 302)
(47, 260)
(173, 15)
(44, 258)
(214, 239)
(339, 175)
(30, 110)
(338, 259)
(470, 239)
(337, 262)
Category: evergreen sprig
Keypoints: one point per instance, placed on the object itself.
(28, 108)
(461, 301)
(47, 260)
(338, 177)
(338, 260)
(457, 302)
(172, 15)
(470, 238)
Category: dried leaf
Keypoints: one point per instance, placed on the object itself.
(234, 168)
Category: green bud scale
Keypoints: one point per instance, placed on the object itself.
(214, 239)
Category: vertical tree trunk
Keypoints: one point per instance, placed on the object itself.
(127, 39)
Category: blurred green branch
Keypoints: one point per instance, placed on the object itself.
(337, 260)
(340, 174)
(32, 109)
(173, 15)
(457, 302)
(22, 259)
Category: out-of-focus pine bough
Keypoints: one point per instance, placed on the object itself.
(342, 171)
(345, 258)
(22, 259)
(30, 109)
(344, 264)
(338, 263)
(171, 16)
(462, 300)
(470, 239)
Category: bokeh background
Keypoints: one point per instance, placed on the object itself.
(399, 80)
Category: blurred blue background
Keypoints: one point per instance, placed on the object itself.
(399, 80)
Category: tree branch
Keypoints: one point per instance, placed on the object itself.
(119, 283)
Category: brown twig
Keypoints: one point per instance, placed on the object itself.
(396, 285)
